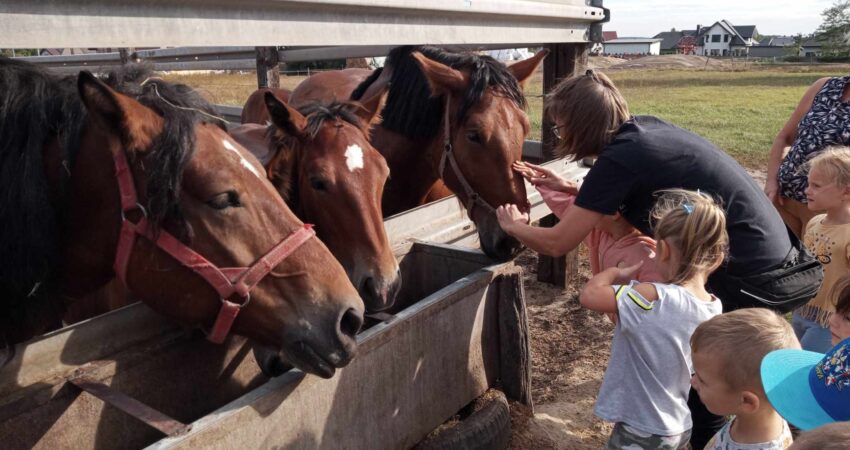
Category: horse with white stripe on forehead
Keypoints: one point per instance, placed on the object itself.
(319, 158)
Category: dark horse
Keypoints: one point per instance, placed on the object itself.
(457, 119)
(321, 162)
(133, 180)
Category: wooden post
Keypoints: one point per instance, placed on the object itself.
(564, 60)
(268, 73)
(514, 352)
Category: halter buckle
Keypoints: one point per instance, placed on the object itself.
(244, 304)
(138, 207)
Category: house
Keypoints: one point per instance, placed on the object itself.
(782, 46)
(632, 46)
(725, 39)
(678, 42)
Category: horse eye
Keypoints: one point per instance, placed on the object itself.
(473, 136)
(229, 199)
(318, 184)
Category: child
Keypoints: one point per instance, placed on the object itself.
(835, 436)
(645, 389)
(613, 243)
(839, 321)
(727, 351)
(809, 389)
(828, 237)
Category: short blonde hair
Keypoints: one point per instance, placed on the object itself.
(835, 163)
(590, 110)
(696, 226)
(834, 436)
(739, 340)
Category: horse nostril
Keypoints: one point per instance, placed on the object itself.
(351, 322)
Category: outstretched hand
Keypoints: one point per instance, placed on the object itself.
(541, 176)
(510, 216)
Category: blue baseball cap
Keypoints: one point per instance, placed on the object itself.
(809, 389)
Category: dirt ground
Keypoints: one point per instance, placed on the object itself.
(570, 347)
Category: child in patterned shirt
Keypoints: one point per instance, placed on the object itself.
(727, 351)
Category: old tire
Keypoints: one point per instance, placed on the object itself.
(486, 425)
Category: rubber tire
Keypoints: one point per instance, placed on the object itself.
(487, 427)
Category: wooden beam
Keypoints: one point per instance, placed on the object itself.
(514, 354)
(268, 73)
(564, 60)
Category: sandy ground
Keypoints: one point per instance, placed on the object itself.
(570, 347)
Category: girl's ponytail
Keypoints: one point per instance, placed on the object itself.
(696, 225)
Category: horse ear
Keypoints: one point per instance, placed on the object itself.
(368, 110)
(136, 124)
(522, 70)
(284, 116)
(441, 78)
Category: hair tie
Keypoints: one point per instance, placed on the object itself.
(689, 208)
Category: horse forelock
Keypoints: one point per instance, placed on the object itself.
(410, 108)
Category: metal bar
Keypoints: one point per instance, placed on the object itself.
(159, 23)
(131, 406)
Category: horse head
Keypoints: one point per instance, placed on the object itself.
(196, 185)
(329, 173)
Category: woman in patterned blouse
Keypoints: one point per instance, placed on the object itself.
(820, 120)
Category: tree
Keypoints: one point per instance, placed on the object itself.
(834, 31)
(795, 48)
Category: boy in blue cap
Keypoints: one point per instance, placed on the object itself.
(809, 389)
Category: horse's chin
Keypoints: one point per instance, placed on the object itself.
(495, 243)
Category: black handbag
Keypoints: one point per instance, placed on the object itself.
(784, 288)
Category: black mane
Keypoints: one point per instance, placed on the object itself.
(36, 107)
(410, 109)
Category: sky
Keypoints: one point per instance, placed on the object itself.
(646, 18)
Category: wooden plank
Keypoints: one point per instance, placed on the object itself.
(514, 351)
(268, 74)
(564, 60)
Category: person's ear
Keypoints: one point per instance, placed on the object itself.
(663, 250)
(845, 192)
(750, 403)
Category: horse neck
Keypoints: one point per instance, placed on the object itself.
(412, 169)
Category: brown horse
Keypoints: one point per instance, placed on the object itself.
(327, 87)
(459, 119)
(144, 187)
(255, 110)
(320, 160)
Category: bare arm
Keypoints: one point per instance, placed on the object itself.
(785, 138)
(598, 295)
(559, 240)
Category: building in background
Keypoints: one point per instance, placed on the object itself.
(725, 39)
(632, 46)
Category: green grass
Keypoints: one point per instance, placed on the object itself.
(740, 111)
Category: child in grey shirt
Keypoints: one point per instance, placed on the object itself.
(645, 389)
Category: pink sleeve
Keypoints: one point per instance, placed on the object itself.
(558, 202)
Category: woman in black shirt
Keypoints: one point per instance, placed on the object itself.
(638, 156)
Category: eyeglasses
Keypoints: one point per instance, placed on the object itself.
(555, 131)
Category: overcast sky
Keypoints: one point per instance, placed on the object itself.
(645, 18)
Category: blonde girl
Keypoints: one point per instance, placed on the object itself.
(646, 384)
(828, 237)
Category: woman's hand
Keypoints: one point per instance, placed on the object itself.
(541, 176)
(510, 216)
(771, 189)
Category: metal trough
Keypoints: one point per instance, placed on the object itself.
(466, 332)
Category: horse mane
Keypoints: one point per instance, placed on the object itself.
(35, 108)
(411, 110)
(286, 146)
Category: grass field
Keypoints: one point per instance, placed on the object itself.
(740, 111)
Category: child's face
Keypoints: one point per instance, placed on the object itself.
(823, 193)
(839, 326)
(717, 396)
